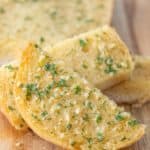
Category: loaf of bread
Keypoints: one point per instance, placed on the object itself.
(63, 108)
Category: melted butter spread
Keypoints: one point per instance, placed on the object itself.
(64, 109)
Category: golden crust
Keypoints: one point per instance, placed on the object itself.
(7, 102)
(54, 132)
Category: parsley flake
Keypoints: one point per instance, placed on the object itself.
(133, 123)
(82, 42)
(51, 68)
(77, 89)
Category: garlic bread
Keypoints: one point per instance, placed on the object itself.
(99, 56)
(61, 107)
(7, 99)
(136, 89)
(50, 21)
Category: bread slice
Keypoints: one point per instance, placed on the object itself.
(7, 99)
(99, 56)
(50, 21)
(61, 107)
(64, 19)
(136, 90)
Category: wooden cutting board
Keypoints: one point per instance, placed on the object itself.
(132, 21)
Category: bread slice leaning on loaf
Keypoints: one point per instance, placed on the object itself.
(7, 98)
(99, 56)
(136, 89)
(63, 108)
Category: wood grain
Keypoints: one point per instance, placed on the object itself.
(132, 21)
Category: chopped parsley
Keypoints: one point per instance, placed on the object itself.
(11, 108)
(10, 67)
(100, 136)
(99, 60)
(84, 66)
(110, 69)
(30, 89)
(90, 142)
(51, 68)
(69, 126)
(53, 14)
(89, 105)
(98, 119)
(42, 39)
(36, 45)
(44, 113)
(133, 122)
(48, 88)
(77, 89)
(2, 10)
(35, 117)
(82, 42)
(119, 117)
(62, 83)
(85, 117)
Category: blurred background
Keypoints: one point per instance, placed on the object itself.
(132, 20)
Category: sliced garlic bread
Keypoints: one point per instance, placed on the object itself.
(61, 107)
(7, 99)
(136, 90)
(99, 56)
(50, 21)
(47, 21)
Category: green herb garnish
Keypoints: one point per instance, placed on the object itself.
(44, 113)
(98, 119)
(119, 117)
(62, 83)
(84, 66)
(85, 117)
(99, 60)
(42, 39)
(77, 89)
(100, 136)
(10, 67)
(11, 108)
(51, 68)
(30, 89)
(69, 126)
(89, 105)
(82, 42)
(2, 10)
(110, 69)
(133, 122)
(53, 14)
